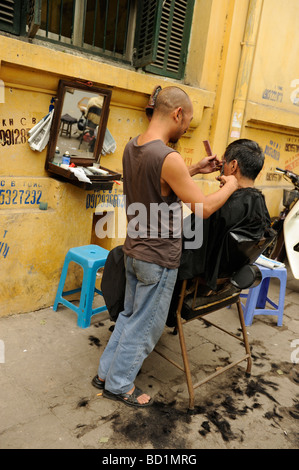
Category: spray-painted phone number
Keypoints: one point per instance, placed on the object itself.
(20, 196)
(13, 136)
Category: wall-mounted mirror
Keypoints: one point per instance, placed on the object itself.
(77, 135)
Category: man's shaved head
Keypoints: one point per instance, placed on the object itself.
(171, 98)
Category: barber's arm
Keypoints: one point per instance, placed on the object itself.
(176, 175)
(204, 166)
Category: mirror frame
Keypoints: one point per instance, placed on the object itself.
(55, 130)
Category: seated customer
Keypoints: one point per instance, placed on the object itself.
(245, 213)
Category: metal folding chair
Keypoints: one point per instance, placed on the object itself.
(196, 306)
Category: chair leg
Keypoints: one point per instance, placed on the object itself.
(183, 347)
(245, 339)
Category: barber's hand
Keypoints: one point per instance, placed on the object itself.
(230, 180)
(209, 165)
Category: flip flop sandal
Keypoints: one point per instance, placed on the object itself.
(96, 382)
(129, 399)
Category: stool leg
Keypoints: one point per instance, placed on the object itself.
(262, 298)
(61, 283)
(283, 284)
(86, 299)
(251, 304)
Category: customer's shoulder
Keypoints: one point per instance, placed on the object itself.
(249, 192)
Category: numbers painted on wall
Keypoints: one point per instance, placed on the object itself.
(295, 94)
(14, 131)
(104, 198)
(276, 93)
(13, 136)
(4, 247)
(20, 196)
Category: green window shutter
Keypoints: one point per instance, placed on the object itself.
(147, 31)
(34, 17)
(171, 36)
(11, 16)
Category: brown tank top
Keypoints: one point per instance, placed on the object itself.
(154, 221)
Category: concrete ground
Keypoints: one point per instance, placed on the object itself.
(47, 400)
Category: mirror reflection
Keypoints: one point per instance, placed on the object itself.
(79, 124)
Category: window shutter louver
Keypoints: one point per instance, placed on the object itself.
(10, 16)
(173, 38)
(147, 29)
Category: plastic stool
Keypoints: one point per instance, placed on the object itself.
(258, 296)
(91, 258)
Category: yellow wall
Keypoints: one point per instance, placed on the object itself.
(272, 108)
(242, 76)
(34, 242)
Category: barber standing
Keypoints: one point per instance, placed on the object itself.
(154, 174)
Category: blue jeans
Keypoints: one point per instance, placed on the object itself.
(149, 290)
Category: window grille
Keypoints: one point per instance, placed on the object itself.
(99, 26)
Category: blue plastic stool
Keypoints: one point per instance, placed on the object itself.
(91, 258)
(258, 296)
